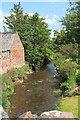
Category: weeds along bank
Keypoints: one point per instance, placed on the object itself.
(68, 71)
(7, 80)
(66, 63)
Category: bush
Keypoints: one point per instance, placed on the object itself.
(7, 86)
(72, 81)
(69, 85)
(5, 102)
(13, 74)
(65, 88)
(78, 78)
(7, 89)
(18, 73)
(70, 50)
(59, 59)
(66, 70)
(69, 68)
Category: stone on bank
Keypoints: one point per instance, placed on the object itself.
(49, 114)
(3, 114)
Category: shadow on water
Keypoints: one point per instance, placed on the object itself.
(35, 94)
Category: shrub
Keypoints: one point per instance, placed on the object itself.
(70, 50)
(13, 74)
(7, 86)
(7, 89)
(69, 68)
(78, 78)
(72, 81)
(65, 88)
(66, 70)
(18, 73)
(59, 59)
(5, 102)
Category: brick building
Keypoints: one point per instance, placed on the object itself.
(11, 51)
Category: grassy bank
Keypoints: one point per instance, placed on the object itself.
(69, 104)
(7, 83)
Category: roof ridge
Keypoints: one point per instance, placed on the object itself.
(8, 32)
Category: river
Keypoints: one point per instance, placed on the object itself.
(36, 93)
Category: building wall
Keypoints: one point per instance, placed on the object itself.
(13, 58)
(5, 65)
(17, 58)
(4, 61)
(17, 53)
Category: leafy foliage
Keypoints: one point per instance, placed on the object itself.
(37, 44)
(66, 45)
(70, 51)
(67, 72)
(18, 73)
(15, 19)
(78, 78)
(71, 22)
(70, 32)
(7, 89)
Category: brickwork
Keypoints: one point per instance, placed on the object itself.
(17, 58)
(13, 58)
(5, 65)
(17, 53)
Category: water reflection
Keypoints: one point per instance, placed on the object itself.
(51, 69)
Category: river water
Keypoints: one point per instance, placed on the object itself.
(36, 93)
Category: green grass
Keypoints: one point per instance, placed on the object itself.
(69, 104)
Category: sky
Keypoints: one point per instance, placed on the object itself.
(51, 11)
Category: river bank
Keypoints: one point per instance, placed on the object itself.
(8, 80)
(31, 90)
(36, 93)
(68, 71)
(69, 104)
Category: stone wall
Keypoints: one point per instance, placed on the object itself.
(52, 115)
(13, 58)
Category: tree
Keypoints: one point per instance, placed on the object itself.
(37, 42)
(71, 23)
(15, 19)
(33, 32)
(59, 37)
(69, 35)
(70, 32)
